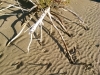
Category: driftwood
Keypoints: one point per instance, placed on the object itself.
(46, 11)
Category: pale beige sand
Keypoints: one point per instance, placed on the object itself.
(49, 59)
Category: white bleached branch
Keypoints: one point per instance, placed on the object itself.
(39, 22)
(17, 34)
(31, 35)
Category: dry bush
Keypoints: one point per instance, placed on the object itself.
(47, 8)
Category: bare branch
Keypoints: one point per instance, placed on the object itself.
(39, 22)
(24, 25)
(50, 16)
(66, 9)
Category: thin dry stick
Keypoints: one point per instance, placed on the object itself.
(32, 2)
(31, 35)
(60, 24)
(40, 33)
(66, 9)
(11, 6)
(59, 21)
(24, 25)
(6, 7)
(50, 16)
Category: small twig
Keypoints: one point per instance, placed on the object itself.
(18, 34)
(50, 16)
(66, 9)
(31, 35)
(9, 6)
(24, 25)
(60, 24)
(6, 7)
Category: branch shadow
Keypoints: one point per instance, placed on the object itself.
(48, 65)
(4, 17)
(62, 49)
(56, 41)
(21, 19)
(64, 73)
(4, 35)
(79, 24)
(73, 51)
(13, 44)
(96, 1)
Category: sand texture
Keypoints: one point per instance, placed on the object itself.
(48, 58)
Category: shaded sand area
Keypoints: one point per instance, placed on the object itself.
(48, 58)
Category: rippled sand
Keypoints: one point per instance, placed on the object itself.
(48, 58)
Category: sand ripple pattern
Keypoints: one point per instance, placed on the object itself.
(48, 58)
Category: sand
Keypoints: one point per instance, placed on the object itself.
(48, 58)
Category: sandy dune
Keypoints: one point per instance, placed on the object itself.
(48, 58)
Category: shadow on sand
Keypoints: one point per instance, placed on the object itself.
(96, 0)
